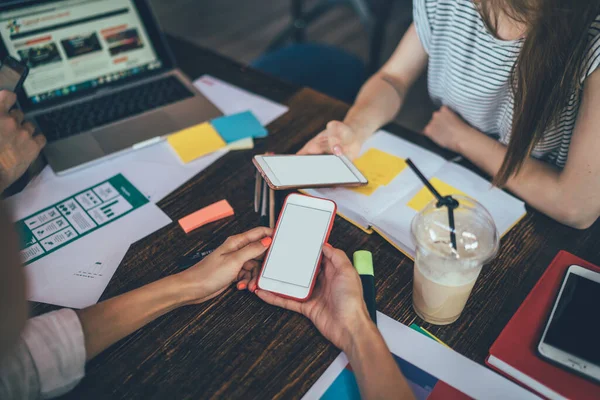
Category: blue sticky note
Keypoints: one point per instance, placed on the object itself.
(239, 126)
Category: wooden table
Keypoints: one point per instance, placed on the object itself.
(236, 346)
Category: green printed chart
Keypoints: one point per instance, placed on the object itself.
(74, 217)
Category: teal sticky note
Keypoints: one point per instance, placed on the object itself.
(239, 126)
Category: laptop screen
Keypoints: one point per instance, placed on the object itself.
(77, 45)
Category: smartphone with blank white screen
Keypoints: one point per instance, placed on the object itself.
(571, 338)
(292, 262)
(308, 171)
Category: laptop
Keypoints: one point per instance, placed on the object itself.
(102, 79)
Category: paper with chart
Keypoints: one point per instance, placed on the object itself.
(433, 371)
(72, 241)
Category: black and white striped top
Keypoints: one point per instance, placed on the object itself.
(469, 71)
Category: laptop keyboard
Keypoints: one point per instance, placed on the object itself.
(104, 110)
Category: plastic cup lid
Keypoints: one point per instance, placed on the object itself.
(477, 237)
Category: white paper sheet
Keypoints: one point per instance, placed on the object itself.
(437, 360)
(155, 171)
(77, 274)
(232, 100)
(79, 284)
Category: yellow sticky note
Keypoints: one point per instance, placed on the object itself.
(367, 190)
(195, 142)
(379, 167)
(424, 196)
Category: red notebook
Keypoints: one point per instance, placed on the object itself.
(514, 353)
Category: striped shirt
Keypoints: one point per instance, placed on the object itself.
(469, 72)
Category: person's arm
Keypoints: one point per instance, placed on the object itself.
(570, 196)
(338, 311)
(107, 322)
(376, 372)
(378, 101)
(49, 359)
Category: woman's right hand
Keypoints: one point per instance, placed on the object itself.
(338, 138)
(336, 306)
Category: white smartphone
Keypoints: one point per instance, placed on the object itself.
(292, 262)
(309, 171)
(571, 337)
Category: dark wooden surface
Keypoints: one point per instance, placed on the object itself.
(236, 346)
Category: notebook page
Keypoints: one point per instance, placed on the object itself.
(369, 203)
(505, 209)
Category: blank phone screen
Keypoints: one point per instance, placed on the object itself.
(297, 245)
(575, 325)
(310, 170)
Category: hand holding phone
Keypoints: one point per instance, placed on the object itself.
(292, 263)
(308, 171)
(336, 307)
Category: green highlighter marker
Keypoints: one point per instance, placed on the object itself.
(363, 262)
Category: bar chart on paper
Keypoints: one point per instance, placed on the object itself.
(94, 270)
(62, 223)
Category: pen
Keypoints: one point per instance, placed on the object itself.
(188, 261)
(363, 262)
(264, 218)
(257, 191)
(271, 208)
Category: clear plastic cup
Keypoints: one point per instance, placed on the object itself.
(444, 276)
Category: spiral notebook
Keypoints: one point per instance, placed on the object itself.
(395, 195)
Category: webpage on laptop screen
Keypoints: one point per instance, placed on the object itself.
(78, 44)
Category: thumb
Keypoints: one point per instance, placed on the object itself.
(336, 257)
(250, 251)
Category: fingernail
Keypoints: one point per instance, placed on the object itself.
(328, 245)
(241, 286)
(337, 150)
(266, 242)
(253, 288)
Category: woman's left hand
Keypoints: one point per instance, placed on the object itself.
(448, 130)
(233, 261)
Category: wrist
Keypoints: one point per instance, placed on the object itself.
(185, 291)
(464, 140)
(362, 129)
(359, 330)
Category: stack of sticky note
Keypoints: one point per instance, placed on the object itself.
(235, 132)
(379, 167)
(206, 215)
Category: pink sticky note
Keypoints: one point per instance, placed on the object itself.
(206, 215)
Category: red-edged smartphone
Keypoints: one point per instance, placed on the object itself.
(292, 263)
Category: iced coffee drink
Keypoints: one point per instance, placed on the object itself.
(443, 275)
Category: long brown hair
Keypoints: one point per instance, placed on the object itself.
(547, 70)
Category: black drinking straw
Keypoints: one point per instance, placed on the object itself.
(447, 201)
